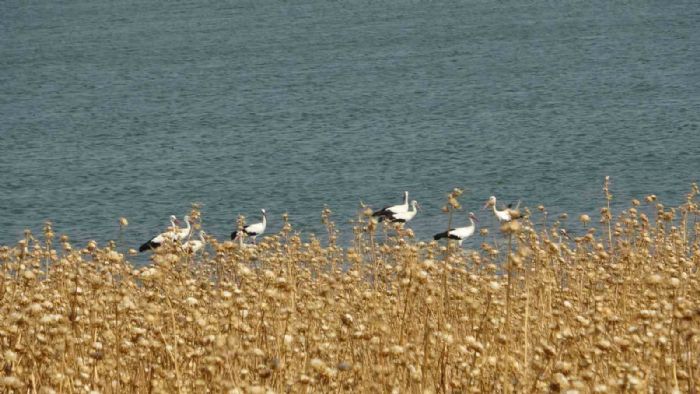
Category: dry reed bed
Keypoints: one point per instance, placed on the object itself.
(613, 310)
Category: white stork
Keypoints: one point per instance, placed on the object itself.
(459, 233)
(194, 245)
(402, 217)
(172, 234)
(184, 233)
(388, 211)
(253, 230)
(505, 215)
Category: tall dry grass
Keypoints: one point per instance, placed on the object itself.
(616, 309)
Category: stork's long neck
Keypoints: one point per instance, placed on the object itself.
(264, 221)
(188, 228)
(405, 200)
(494, 208)
(201, 237)
(472, 222)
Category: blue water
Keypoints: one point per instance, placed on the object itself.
(138, 108)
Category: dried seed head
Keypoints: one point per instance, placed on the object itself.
(10, 382)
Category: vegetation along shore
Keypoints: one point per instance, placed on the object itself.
(534, 309)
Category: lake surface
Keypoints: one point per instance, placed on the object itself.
(139, 108)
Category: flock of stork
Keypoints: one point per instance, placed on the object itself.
(401, 213)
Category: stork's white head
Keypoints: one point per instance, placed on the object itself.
(473, 217)
(415, 205)
(263, 211)
(491, 202)
(564, 233)
(174, 221)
